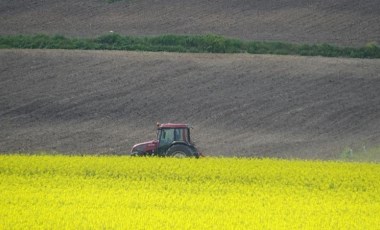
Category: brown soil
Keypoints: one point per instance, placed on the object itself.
(343, 22)
(105, 101)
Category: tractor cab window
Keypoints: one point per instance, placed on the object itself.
(167, 136)
(181, 135)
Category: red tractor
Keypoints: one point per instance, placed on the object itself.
(172, 140)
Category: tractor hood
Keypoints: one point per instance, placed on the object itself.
(145, 147)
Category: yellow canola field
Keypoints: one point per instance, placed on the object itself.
(111, 192)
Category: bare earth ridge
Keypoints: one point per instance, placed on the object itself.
(343, 22)
(249, 105)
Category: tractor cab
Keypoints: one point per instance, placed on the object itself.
(169, 135)
(172, 140)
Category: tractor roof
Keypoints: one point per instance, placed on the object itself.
(172, 126)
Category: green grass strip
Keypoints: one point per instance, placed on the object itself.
(185, 43)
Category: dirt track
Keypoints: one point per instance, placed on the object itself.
(103, 101)
(343, 22)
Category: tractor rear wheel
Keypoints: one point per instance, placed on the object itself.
(179, 151)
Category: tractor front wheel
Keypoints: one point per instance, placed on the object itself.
(136, 154)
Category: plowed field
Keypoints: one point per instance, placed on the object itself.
(105, 101)
(343, 22)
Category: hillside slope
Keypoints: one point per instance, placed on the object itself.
(104, 101)
(343, 22)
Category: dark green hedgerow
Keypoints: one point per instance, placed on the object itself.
(185, 43)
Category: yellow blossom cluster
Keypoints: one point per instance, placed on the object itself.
(113, 192)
